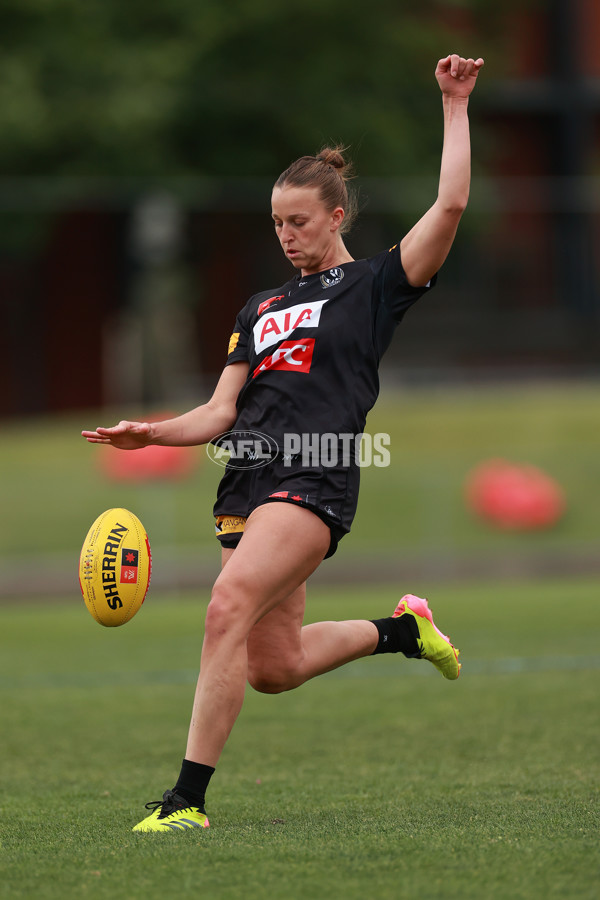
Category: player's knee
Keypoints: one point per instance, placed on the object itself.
(265, 683)
(274, 680)
(223, 615)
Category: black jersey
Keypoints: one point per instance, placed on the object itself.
(314, 347)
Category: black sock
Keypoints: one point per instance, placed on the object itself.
(193, 782)
(398, 635)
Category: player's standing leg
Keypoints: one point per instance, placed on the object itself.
(281, 547)
(254, 630)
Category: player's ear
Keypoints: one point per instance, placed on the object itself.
(337, 217)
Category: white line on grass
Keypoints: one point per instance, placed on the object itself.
(515, 665)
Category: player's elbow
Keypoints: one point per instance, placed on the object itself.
(452, 204)
(456, 209)
(223, 416)
(227, 416)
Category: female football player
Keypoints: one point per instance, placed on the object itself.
(303, 361)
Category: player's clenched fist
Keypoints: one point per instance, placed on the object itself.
(456, 75)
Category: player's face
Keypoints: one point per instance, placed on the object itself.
(307, 232)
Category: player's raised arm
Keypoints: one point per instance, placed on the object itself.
(426, 246)
(195, 427)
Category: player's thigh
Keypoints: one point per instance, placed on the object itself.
(281, 546)
(275, 640)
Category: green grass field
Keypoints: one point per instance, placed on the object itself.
(53, 486)
(380, 780)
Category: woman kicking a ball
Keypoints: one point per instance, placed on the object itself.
(303, 359)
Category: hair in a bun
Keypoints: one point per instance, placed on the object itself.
(333, 156)
(328, 171)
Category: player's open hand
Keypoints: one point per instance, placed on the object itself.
(124, 436)
(456, 75)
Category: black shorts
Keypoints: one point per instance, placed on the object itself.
(331, 493)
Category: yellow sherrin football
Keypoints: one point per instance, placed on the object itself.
(115, 567)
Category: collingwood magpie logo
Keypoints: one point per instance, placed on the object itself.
(331, 278)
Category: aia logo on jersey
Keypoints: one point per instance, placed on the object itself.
(267, 303)
(290, 356)
(278, 325)
(331, 278)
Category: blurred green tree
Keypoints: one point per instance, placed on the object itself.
(223, 88)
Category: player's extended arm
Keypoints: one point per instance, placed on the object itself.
(195, 427)
(426, 246)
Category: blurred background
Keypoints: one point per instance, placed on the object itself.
(138, 146)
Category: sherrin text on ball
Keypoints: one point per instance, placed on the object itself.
(115, 567)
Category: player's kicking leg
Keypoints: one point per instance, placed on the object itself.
(257, 634)
(283, 655)
(432, 643)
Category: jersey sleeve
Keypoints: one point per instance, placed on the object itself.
(392, 288)
(239, 342)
